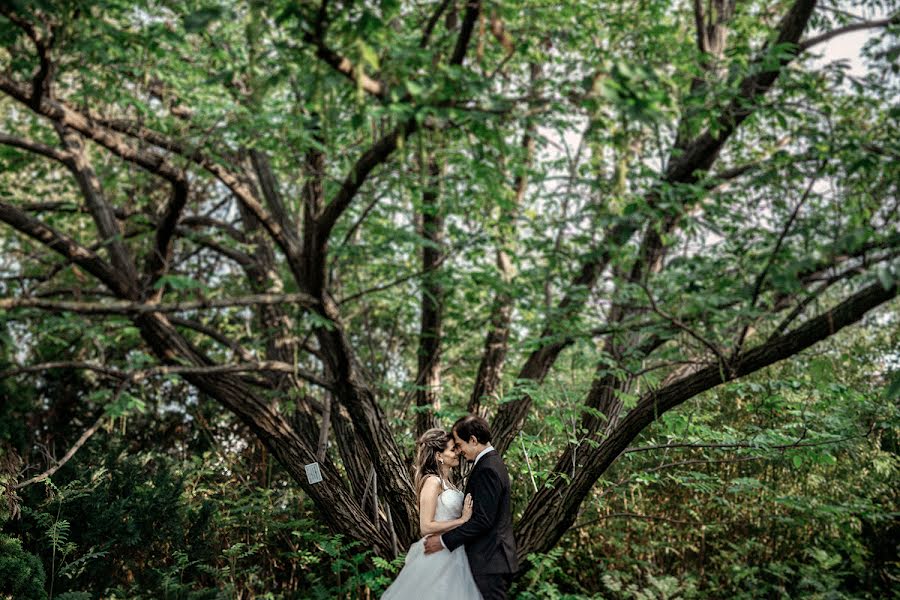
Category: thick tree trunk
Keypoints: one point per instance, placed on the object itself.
(428, 380)
(352, 389)
(273, 320)
(372, 427)
(496, 344)
(338, 507)
(355, 459)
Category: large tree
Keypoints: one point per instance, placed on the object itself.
(316, 212)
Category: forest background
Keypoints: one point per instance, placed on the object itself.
(654, 242)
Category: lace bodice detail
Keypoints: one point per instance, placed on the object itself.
(449, 504)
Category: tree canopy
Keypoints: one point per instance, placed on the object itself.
(347, 222)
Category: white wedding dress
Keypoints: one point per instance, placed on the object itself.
(443, 574)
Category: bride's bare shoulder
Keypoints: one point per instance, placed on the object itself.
(431, 485)
(432, 481)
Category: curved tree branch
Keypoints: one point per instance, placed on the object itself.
(689, 160)
(126, 308)
(135, 376)
(552, 511)
(65, 246)
(829, 35)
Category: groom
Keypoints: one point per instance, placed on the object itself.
(488, 535)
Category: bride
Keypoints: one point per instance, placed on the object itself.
(441, 508)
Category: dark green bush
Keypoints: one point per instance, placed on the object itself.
(21, 573)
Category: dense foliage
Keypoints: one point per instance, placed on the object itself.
(656, 244)
(173, 502)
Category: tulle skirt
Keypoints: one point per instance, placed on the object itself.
(435, 576)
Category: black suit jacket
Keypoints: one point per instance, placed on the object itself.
(488, 535)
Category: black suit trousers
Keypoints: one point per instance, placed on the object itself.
(493, 586)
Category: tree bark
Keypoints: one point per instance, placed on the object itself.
(552, 510)
(496, 343)
(102, 213)
(428, 379)
(352, 390)
(686, 163)
(338, 507)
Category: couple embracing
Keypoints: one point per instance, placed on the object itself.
(468, 551)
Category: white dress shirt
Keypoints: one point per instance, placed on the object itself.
(477, 458)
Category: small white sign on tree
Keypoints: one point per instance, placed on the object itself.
(313, 473)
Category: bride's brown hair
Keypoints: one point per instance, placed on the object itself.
(431, 442)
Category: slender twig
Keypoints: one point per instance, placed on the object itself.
(528, 462)
(78, 444)
(57, 154)
(817, 293)
(629, 515)
(216, 335)
(681, 325)
(757, 287)
(336, 61)
(432, 21)
(421, 273)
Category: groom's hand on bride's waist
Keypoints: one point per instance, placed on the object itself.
(433, 544)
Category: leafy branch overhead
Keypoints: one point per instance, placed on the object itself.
(346, 223)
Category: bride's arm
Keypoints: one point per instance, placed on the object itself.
(428, 499)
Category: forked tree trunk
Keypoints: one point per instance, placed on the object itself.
(366, 443)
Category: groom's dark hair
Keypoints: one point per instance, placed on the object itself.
(471, 425)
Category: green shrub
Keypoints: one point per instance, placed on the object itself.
(21, 573)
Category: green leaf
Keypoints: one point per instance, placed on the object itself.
(201, 19)
(885, 277)
(178, 282)
(368, 54)
(892, 391)
(125, 404)
(414, 88)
